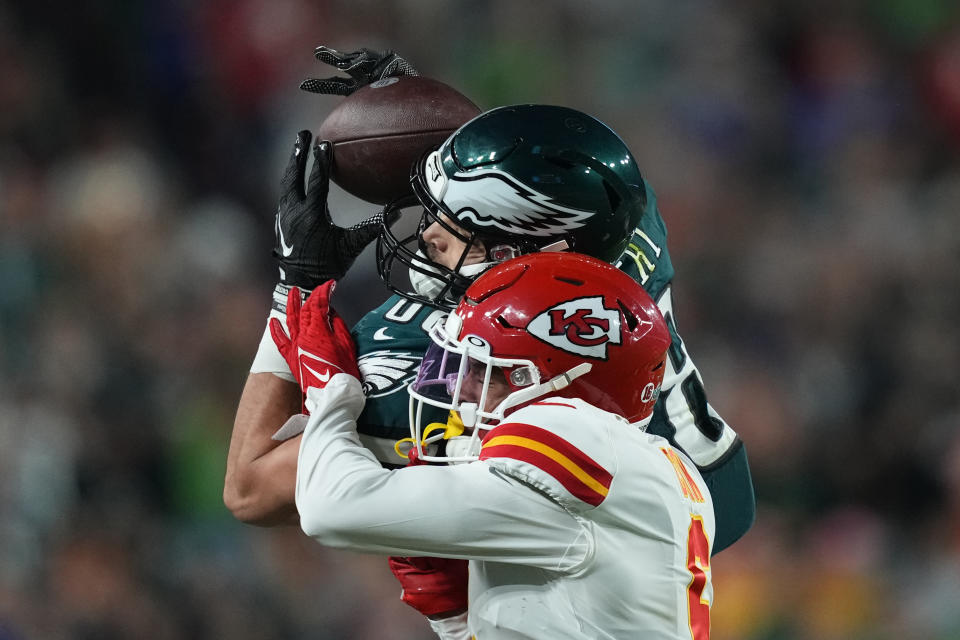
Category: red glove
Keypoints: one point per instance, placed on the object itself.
(432, 586)
(319, 345)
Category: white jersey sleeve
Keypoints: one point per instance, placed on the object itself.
(347, 500)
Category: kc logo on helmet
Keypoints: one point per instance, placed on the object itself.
(582, 326)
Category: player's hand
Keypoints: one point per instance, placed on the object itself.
(311, 249)
(362, 67)
(319, 345)
(435, 587)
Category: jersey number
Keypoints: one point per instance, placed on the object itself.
(698, 564)
(690, 387)
(405, 311)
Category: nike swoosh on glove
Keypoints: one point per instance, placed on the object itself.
(319, 345)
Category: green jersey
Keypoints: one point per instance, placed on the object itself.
(392, 338)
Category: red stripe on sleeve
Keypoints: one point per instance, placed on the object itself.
(555, 456)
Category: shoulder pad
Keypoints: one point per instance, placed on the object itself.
(559, 446)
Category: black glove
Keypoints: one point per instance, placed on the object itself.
(363, 67)
(311, 249)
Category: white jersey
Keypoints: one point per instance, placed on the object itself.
(577, 524)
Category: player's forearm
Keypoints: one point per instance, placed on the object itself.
(706, 437)
(731, 488)
(261, 472)
(333, 467)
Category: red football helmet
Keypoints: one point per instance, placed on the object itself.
(544, 324)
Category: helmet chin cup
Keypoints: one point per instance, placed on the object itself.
(434, 287)
(468, 414)
(428, 286)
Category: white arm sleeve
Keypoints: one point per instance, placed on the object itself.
(268, 358)
(347, 500)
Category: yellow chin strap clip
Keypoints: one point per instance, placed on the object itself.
(452, 429)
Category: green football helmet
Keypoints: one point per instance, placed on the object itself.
(512, 181)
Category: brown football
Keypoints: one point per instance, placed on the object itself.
(380, 130)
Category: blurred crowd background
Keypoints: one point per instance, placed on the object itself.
(806, 157)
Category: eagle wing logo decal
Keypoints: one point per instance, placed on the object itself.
(494, 199)
(385, 372)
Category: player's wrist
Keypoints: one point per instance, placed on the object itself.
(451, 627)
(447, 614)
(282, 290)
(308, 275)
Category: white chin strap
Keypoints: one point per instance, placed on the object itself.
(431, 286)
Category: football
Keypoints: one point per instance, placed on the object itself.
(380, 130)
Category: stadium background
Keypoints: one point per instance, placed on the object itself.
(806, 161)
